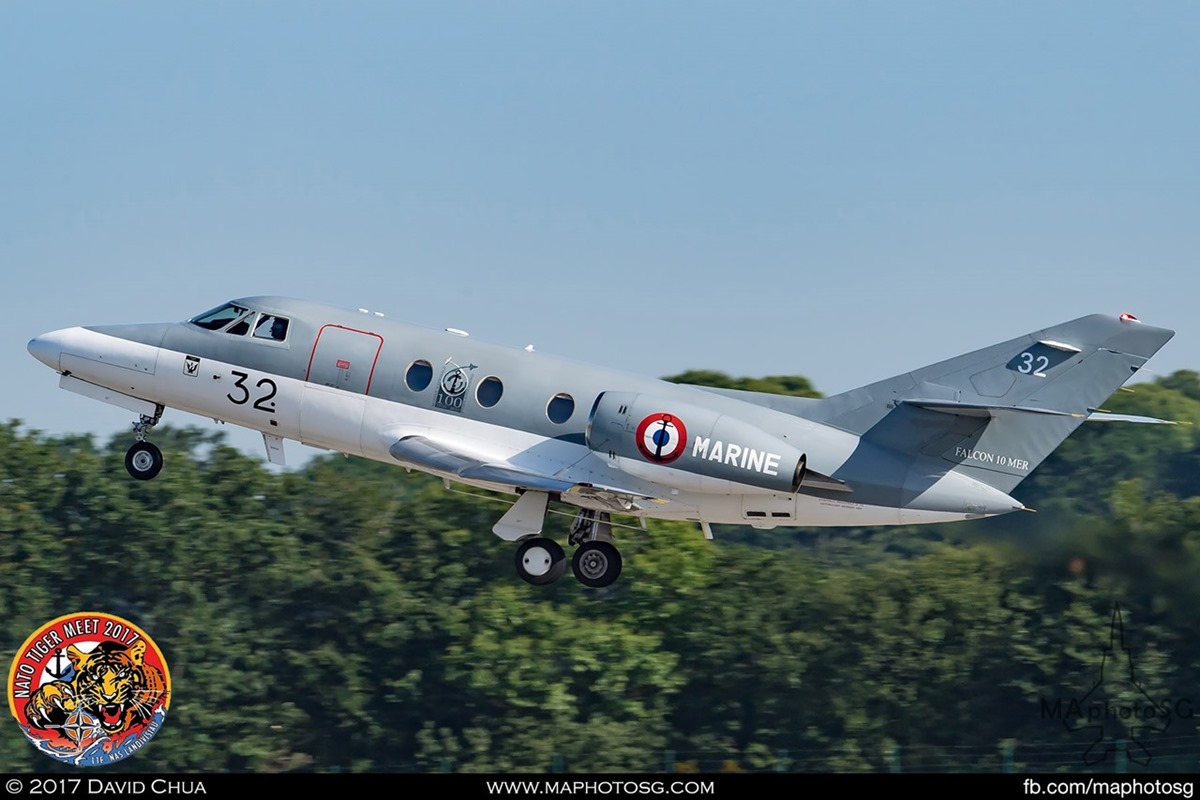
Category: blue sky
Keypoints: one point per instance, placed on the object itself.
(839, 190)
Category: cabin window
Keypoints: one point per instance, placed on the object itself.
(488, 392)
(419, 374)
(560, 408)
(219, 317)
(272, 328)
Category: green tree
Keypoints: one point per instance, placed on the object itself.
(772, 384)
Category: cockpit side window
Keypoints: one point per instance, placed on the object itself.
(241, 327)
(271, 327)
(219, 317)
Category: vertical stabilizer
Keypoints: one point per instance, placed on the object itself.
(998, 412)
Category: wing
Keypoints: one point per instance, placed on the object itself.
(429, 455)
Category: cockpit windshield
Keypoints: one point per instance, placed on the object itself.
(219, 317)
(239, 320)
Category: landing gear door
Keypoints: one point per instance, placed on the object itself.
(344, 358)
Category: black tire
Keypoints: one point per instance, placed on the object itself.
(143, 461)
(540, 561)
(596, 563)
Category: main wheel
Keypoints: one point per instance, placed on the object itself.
(541, 561)
(596, 563)
(143, 460)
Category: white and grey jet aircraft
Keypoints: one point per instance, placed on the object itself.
(944, 442)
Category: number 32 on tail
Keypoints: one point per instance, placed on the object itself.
(949, 441)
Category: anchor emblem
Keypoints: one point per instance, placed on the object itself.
(56, 669)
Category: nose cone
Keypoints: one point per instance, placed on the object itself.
(46, 348)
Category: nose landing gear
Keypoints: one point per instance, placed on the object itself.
(144, 460)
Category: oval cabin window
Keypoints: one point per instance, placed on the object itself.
(488, 392)
(419, 374)
(560, 408)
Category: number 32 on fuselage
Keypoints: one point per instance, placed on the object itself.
(898, 451)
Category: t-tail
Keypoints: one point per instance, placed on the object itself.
(995, 414)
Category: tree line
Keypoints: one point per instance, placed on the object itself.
(352, 616)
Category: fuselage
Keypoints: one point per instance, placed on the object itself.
(357, 382)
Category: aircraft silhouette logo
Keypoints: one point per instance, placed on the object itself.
(1117, 707)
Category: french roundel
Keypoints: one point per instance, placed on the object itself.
(661, 438)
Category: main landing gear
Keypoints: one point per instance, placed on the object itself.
(597, 561)
(541, 560)
(144, 460)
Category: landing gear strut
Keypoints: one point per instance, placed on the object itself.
(144, 460)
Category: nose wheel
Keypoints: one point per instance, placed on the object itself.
(143, 460)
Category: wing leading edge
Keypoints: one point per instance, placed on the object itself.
(423, 453)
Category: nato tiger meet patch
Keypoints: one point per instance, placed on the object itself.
(89, 689)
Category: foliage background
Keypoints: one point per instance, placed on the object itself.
(351, 616)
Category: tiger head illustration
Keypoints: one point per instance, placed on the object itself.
(115, 684)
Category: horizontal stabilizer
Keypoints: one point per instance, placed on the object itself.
(985, 410)
(1108, 416)
(981, 409)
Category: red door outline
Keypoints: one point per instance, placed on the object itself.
(378, 349)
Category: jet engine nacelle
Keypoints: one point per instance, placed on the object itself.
(653, 430)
